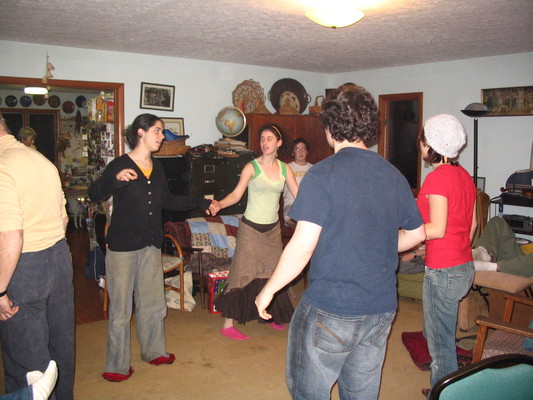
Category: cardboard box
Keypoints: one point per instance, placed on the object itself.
(216, 282)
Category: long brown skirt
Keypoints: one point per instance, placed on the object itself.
(256, 256)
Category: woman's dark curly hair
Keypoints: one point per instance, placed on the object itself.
(144, 122)
(285, 149)
(350, 113)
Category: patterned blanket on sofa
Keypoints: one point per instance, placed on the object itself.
(216, 235)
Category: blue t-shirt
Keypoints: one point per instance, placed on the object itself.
(360, 201)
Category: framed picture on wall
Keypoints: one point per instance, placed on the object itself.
(174, 125)
(157, 97)
(508, 101)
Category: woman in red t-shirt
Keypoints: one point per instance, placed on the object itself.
(447, 204)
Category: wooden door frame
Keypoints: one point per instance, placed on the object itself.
(116, 88)
(384, 108)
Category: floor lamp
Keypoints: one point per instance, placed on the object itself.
(475, 110)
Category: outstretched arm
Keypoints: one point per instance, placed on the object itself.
(291, 263)
(409, 239)
(235, 196)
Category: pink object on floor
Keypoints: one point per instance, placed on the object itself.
(278, 327)
(233, 333)
(115, 377)
(163, 360)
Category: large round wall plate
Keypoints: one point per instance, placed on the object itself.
(11, 101)
(250, 93)
(288, 85)
(230, 121)
(39, 99)
(25, 101)
(68, 107)
(81, 101)
(54, 101)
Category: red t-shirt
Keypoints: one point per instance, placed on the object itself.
(457, 186)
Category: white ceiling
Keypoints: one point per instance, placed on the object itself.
(275, 33)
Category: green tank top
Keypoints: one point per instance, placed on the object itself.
(264, 194)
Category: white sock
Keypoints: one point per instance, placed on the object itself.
(480, 265)
(480, 253)
(42, 384)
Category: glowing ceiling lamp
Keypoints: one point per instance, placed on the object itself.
(335, 16)
(35, 90)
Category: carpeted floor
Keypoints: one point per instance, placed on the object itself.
(210, 366)
(213, 367)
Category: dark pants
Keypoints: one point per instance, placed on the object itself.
(43, 328)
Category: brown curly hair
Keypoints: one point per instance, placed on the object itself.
(350, 113)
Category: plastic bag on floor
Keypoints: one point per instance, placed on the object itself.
(173, 297)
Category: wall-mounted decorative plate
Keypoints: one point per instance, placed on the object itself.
(288, 85)
(250, 94)
(68, 107)
(11, 101)
(25, 101)
(39, 99)
(81, 101)
(54, 101)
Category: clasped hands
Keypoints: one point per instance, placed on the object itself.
(214, 208)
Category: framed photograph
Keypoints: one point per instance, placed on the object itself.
(508, 101)
(174, 125)
(157, 97)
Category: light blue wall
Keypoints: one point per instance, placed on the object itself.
(504, 143)
(203, 88)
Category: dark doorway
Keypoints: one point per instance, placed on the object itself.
(400, 123)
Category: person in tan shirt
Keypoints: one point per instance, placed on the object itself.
(36, 291)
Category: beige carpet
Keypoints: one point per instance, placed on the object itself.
(210, 366)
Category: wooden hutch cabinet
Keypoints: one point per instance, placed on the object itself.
(294, 126)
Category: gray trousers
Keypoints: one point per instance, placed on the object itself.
(135, 275)
(500, 241)
(43, 329)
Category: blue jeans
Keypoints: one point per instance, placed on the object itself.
(442, 291)
(26, 393)
(325, 348)
(43, 329)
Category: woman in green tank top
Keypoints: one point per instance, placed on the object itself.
(259, 245)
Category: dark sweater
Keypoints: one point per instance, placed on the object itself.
(137, 205)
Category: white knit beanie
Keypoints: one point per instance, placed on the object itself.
(445, 134)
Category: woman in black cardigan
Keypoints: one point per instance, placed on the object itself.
(139, 188)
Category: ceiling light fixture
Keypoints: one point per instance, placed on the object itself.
(338, 16)
(35, 90)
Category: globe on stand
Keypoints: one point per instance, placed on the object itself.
(230, 121)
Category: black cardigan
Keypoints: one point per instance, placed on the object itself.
(137, 205)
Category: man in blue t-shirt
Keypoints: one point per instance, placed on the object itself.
(355, 212)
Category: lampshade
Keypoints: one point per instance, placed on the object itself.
(35, 90)
(476, 110)
(334, 16)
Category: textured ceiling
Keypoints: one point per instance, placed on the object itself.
(275, 33)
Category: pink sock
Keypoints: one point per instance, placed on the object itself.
(233, 333)
(278, 327)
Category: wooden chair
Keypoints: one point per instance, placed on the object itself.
(508, 337)
(170, 262)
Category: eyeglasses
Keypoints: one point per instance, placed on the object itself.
(301, 149)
